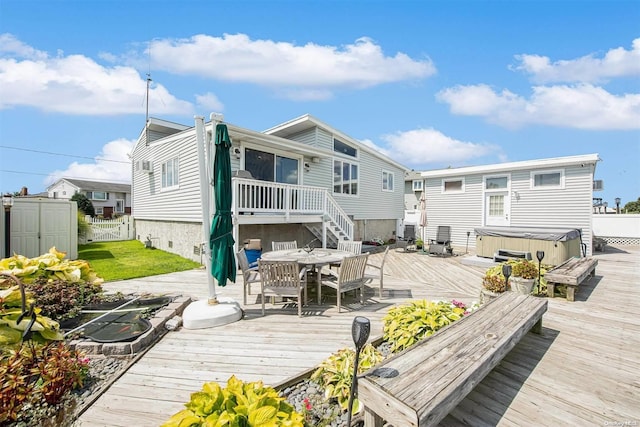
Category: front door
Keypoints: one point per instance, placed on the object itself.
(497, 208)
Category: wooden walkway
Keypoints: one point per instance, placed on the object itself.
(583, 370)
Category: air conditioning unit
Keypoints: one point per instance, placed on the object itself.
(598, 185)
(147, 166)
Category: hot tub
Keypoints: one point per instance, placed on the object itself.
(558, 244)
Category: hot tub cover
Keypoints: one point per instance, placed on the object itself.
(539, 233)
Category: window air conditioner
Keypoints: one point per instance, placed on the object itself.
(147, 166)
(598, 185)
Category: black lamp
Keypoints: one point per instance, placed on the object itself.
(467, 249)
(617, 205)
(506, 272)
(360, 333)
(540, 256)
(7, 202)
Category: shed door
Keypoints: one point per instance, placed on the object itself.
(55, 227)
(496, 207)
(25, 229)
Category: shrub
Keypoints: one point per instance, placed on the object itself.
(61, 300)
(524, 268)
(407, 324)
(335, 374)
(494, 280)
(239, 404)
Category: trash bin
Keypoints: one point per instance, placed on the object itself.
(253, 250)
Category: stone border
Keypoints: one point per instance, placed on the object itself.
(130, 348)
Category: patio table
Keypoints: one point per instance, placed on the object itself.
(313, 260)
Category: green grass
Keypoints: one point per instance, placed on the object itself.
(129, 259)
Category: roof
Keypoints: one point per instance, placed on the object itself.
(587, 159)
(85, 185)
(307, 121)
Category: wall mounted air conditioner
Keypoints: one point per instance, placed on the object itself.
(598, 185)
(147, 166)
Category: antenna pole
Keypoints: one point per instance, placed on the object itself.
(146, 122)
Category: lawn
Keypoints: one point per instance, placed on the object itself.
(129, 259)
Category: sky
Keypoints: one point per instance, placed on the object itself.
(432, 84)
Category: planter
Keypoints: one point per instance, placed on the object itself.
(486, 296)
(522, 286)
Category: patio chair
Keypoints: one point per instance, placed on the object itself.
(283, 279)
(441, 245)
(249, 274)
(376, 272)
(350, 276)
(279, 246)
(350, 246)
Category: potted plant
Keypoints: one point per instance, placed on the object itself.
(523, 276)
(493, 284)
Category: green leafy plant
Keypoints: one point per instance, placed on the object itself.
(494, 280)
(238, 404)
(335, 374)
(61, 300)
(524, 268)
(84, 204)
(407, 324)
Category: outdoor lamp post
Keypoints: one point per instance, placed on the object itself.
(360, 333)
(617, 205)
(7, 202)
(540, 256)
(506, 272)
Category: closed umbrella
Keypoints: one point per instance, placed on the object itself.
(221, 243)
(423, 218)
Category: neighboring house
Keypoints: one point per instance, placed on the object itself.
(108, 198)
(297, 181)
(547, 193)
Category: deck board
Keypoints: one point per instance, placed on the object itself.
(583, 370)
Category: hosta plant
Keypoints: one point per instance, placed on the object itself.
(238, 404)
(407, 324)
(335, 374)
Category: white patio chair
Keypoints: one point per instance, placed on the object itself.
(350, 246)
(376, 272)
(283, 279)
(350, 276)
(279, 246)
(249, 274)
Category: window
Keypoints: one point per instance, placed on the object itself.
(345, 177)
(453, 185)
(170, 173)
(387, 181)
(342, 148)
(99, 210)
(97, 195)
(496, 183)
(270, 167)
(120, 206)
(547, 179)
(417, 184)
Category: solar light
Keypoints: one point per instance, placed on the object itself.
(7, 202)
(540, 256)
(506, 272)
(360, 333)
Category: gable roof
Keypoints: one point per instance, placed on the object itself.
(555, 162)
(86, 185)
(307, 121)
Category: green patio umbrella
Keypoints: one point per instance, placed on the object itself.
(223, 261)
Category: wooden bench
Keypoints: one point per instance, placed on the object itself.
(421, 385)
(572, 272)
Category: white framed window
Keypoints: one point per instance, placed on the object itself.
(345, 177)
(387, 181)
(119, 206)
(547, 179)
(99, 210)
(170, 174)
(417, 185)
(97, 195)
(453, 185)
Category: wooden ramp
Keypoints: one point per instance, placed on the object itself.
(583, 370)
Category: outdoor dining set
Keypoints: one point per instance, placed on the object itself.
(287, 271)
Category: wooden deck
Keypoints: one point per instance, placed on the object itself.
(583, 370)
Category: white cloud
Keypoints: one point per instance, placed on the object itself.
(616, 62)
(297, 71)
(209, 101)
(581, 106)
(429, 146)
(112, 164)
(76, 84)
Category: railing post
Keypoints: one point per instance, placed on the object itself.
(287, 200)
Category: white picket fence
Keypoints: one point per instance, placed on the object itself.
(105, 230)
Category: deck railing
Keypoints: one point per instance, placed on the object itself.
(254, 196)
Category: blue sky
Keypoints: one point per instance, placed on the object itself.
(430, 83)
